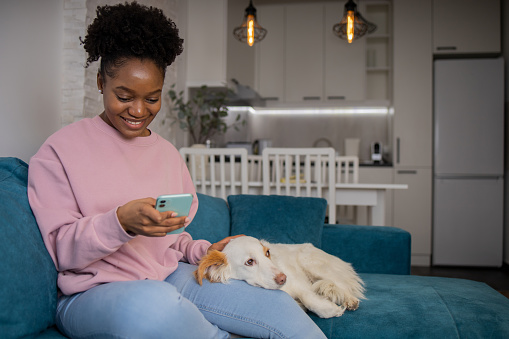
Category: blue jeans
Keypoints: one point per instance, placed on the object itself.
(180, 308)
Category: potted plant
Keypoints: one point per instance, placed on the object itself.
(203, 115)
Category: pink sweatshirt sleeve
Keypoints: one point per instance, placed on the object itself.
(65, 231)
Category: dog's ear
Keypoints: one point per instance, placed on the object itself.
(214, 267)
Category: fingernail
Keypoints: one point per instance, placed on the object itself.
(187, 220)
(174, 214)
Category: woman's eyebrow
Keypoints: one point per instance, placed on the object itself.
(123, 88)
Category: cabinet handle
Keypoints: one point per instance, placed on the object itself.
(397, 150)
(310, 98)
(336, 97)
(446, 48)
(271, 98)
(407, 172)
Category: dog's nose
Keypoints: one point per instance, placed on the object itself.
(280, 278)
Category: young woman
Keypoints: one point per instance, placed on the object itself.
(92, 187)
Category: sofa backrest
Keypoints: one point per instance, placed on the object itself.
(212, 220)
(28, 279)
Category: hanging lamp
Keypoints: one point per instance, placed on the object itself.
(250, 31)
(353, 25)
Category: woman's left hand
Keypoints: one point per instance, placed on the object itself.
(220, 245)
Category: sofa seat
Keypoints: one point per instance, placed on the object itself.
(405, 306)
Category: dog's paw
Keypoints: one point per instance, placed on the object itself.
(330, 311)
(351, 304)
(329, 290)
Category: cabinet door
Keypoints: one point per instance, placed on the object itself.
(304, 52)
(466, 26)
(345, 64)
(412, 210)
(270, 53)
(413, 108)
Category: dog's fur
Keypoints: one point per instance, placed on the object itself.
(320, 282)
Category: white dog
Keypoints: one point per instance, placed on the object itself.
(320, 282)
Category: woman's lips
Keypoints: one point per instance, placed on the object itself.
(133, 123)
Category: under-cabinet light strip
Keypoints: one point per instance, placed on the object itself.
(303, 111)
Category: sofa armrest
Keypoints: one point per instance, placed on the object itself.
(370, 249)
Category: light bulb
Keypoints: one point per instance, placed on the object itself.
(349, 26)
(250, 29)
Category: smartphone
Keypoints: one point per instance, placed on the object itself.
(178, 203)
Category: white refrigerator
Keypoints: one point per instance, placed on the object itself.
(468, 166)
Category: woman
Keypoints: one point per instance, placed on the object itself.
(92, 187)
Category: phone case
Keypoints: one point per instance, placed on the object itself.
(178, 203)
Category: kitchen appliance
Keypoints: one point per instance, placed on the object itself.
(261, 144)
(376, 152)
(468, 185)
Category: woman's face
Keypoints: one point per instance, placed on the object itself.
(132, 97)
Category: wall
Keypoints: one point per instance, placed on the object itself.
(31, 39)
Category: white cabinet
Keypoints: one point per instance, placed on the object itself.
(205, 43)
(345, 64)
(270, 54)
(412, 123)
(412, 144)
(466, 26)
(304, 52)
(302, 61)
(412, 210)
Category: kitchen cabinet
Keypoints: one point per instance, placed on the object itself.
(412, 123)
(412, 210)
(304, 45)
(270, 54)
(305, 62)
(466, 26)
(206, 50)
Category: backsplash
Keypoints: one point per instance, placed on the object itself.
(309, 130)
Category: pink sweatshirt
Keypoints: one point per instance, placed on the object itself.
(76, 182)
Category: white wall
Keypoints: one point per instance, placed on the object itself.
(31, 39)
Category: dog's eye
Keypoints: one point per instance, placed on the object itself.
(250, 262)
(267, 254)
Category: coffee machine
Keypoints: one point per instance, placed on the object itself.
(377, 152)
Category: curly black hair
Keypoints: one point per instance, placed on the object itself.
(124, 31)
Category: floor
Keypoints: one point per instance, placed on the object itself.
(497, 278)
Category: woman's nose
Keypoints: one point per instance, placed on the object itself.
(137, 109)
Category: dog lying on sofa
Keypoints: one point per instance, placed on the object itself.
(320, 282)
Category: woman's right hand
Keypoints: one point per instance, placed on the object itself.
(140, 217)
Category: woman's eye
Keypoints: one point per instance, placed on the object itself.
(122, 99)
(267, 254)
(152, 101)
(250, 262)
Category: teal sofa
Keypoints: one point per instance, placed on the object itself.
(398, 305)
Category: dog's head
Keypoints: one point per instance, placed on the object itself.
(243, 258)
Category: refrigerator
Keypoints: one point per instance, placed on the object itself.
(468, 162)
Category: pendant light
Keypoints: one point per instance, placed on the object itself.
(250, 31)
(353, 25)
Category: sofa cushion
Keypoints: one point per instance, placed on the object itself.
(399, 306)
(278, 219)
(29, 279)
(212, 220)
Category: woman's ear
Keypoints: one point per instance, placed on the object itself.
(214, 267)
(100, 82)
